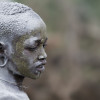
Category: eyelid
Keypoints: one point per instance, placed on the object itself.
(35, 45)
(32, 47)
(29, 46)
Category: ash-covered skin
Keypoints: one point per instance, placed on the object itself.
(27, 60)
(20, 25)
(22, 41)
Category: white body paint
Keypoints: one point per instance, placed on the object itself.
(9, 91)
(17, 20)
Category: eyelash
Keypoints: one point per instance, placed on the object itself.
(44, 45)
(31, 48)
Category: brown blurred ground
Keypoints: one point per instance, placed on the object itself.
(73, 68)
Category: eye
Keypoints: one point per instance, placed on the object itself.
(31, 48)
(44, 45)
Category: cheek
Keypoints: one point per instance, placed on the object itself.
(31, 56)
(27, 53)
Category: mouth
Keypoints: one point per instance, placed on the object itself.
(39, 68)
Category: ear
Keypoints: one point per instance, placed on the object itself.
(3, 57)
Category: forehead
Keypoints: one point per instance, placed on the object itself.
(31, 37)
(34, 27)
(34, 23)
(22, 23)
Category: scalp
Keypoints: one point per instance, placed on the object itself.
(18, 19)
(12, 8)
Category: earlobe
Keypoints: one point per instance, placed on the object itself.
(3, 60)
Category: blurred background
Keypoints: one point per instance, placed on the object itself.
(73, 68)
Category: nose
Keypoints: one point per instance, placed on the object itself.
(43, 55)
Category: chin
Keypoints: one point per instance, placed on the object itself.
(34, 75)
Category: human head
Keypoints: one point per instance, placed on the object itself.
(22, 39)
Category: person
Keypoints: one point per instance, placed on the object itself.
(22, 54)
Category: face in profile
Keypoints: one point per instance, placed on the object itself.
(29, 53)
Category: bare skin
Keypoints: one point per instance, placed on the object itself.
(29, 62)
(22, 49)
(32, 57)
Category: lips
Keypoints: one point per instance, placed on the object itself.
(40, 66)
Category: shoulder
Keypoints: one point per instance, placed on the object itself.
(8, 98)
(9, 93)
(5, 95)
(12, 96)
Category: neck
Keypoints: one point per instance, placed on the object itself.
(9, 77)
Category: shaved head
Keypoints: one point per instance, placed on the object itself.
(17, 19)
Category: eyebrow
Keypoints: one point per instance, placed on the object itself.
(39, 40)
